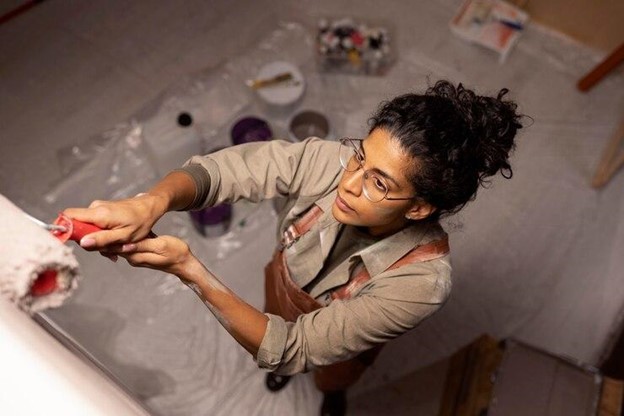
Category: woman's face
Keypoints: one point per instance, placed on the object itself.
(383, 155)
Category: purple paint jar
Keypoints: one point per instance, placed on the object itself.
(212, 221)
(250, 129)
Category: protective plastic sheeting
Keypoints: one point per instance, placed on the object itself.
(537, 257)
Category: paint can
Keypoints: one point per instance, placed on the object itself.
(212, 221)
(308, 123)
(250, 129)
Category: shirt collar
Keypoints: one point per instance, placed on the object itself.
(380, 256)
(327, 219)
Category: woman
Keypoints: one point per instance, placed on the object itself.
(362, 258)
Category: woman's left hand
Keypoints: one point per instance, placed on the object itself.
(165, 253)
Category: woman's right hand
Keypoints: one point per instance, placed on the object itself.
(123, 221)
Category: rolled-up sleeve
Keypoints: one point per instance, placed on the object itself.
(201, 177)
(263, 170)
(271, 349)
(390, 305)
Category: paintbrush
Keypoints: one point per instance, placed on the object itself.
(266, 82)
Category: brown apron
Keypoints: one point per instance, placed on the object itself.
(284, 298)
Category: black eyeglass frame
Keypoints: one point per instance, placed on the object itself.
(351, 142)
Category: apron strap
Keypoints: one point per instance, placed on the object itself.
(300, 227)
(426, 252)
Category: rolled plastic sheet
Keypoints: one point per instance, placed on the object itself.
(36, 270)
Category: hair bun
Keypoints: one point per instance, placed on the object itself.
(457, 140)
(489, 126)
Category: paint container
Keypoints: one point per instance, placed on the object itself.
(283, 94)
(308, 123)
(250, 129)
(350, 47)
(185, 119)
(170, 135)
(213, 221)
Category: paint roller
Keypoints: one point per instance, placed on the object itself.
(64, 229)
(37, 270)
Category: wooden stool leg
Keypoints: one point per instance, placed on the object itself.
(611, 397)
(611, 161)
(600, 71)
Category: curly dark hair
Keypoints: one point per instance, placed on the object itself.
(458, 140)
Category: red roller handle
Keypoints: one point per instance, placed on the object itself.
(75, 229)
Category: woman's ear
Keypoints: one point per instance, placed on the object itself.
(420, 211)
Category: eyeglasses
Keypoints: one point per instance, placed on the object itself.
(374, 186)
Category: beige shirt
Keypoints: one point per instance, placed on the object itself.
(390, 304)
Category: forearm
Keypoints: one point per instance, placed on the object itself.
(245, 323)
(174, 192)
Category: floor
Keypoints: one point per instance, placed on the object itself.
(536, 258)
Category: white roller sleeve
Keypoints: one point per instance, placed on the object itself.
(27, 250)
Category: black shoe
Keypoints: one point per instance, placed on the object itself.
(334, 403)
(275, 382)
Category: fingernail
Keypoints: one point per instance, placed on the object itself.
(128, 247)
(87, 242)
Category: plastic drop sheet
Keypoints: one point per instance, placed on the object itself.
(145, 327)
(537, 258)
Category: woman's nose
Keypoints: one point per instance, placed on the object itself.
(353, 182)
